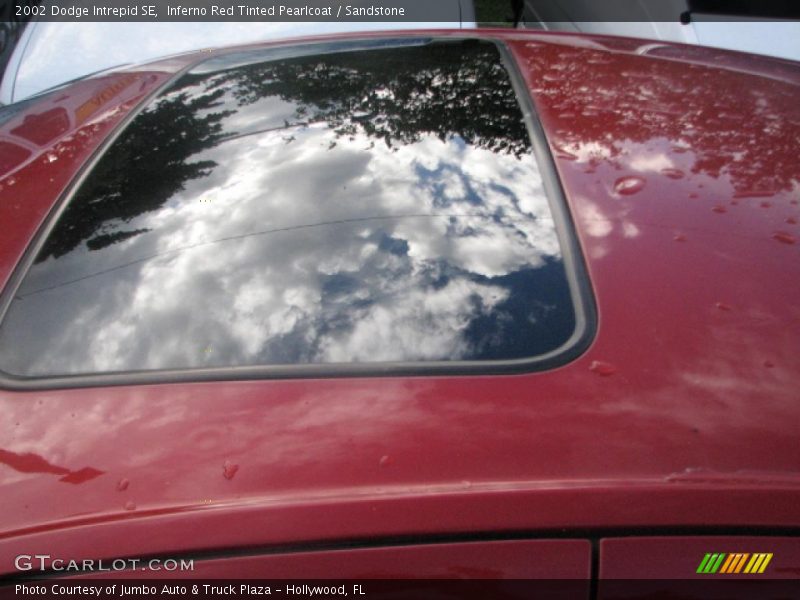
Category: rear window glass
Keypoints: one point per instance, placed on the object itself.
(318, 205)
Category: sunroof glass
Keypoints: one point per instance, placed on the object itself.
(336, 205)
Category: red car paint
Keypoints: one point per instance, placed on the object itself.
(682, 416)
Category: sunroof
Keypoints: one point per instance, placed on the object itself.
(319, 206)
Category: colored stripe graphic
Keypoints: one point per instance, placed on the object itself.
(734, 563)
(716, 565)
(735, 568)
(727, 564)
(764, 564)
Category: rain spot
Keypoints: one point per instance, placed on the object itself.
(385, 460)
(673, 173)
(679, 238)
(626, 186)
(130, 505)
(766, 204)
(719, 209)
(723, 306)
(784, 238)
(604, 369)
(122, 485)
(791, 221)
(769, 364)
(229, 470)
(561, 153)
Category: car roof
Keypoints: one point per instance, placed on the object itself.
(681, 179)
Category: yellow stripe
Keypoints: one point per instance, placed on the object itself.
(727, 563)
(765, 563)
(741, 562)
(756, 566)
(752, 562)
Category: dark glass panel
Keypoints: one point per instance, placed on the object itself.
(359, 205)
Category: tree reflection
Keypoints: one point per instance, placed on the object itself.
(146, 166)
(444, 89)
(447, 90)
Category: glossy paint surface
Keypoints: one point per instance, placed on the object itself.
(682, 179)
(347, 205)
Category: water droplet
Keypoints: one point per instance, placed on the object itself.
(385, 460)
(783, 237)
(769, 364)
(122, 485)
(130, 505)
(229, 470)
(694, 195)
(791, 221)
(673, 173)
(719, 209)
(766, 204)
(604, 369)
(561, 153)
(626, 186)
(466, 484)
(680, 238)
(723, 306)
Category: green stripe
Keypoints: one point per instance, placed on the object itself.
(711, 562)
(701, 568)
(718, 563)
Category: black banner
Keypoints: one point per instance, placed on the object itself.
(374, 589)
(485, 12)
